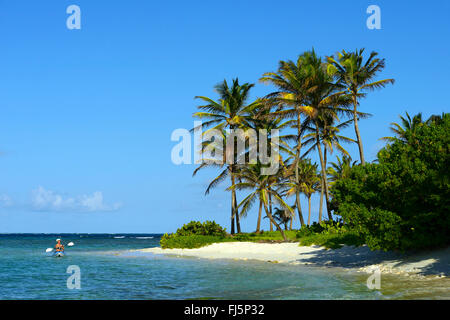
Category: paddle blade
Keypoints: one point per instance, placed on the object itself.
(49, 250)
(70, 244)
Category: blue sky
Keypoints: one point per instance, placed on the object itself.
(86, 115)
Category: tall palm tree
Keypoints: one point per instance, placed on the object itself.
(289, 101)
(262, 185)
(356, 76)
(219, 147)
(230, 111)
(324, 100)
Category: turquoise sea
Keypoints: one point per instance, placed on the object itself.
(110, 269)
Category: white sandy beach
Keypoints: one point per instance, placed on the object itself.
(361, 258)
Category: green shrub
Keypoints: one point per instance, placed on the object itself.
(243, 237)
(193, 227)
(330, 234)
(380, 228)
(325, 227)
(208, 228)
(171, 241)
(213, 229)
(403, 201)
(194, 235)
(332, 240)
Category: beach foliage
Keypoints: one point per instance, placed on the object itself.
(194, 234)
(207, 228)
(265, 236)
(332, 240)
(330, 234)
(403, 201)
(172, 241)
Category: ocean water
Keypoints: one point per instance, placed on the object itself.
(110, 269)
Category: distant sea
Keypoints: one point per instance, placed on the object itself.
(110, 269)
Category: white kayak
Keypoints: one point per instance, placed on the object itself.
(58, 254)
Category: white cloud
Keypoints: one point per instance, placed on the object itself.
(47, 200)
(5, 201)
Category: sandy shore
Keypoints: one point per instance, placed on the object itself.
(361, 258)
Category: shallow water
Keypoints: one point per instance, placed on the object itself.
(111, 270)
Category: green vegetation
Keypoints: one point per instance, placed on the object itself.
(173, 241)
(403, 201)
(332, 235)
(194, 235)
(267, 236)
(207, 228)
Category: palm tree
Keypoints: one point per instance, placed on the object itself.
(219, 147)
(310, 180)
(331, 139)
(356, 76)
(324, 102)
(260, 119)
(282, 217)
(408, 124)
(230, 111)
(262, 185)
(340, 169)
(438, 119)
(289, 101)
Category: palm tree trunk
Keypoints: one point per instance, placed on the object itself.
(236, 214)
(297, 159)
(238, 224)
(299, 207)
(232, 222)
(324, 175)
(324, 181)
(309, 211)
(270, 204)
(233, 202)
(271, 226)
(272, 220)
(321, 200)
(358, 135)
(290, 224)
(258, 223)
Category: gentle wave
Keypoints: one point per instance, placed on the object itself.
(144, 237)
(119, 237)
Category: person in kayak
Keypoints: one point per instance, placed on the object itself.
(59, 247)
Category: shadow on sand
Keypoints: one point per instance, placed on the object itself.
(351, 257)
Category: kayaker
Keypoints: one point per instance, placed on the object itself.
(59, 247)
